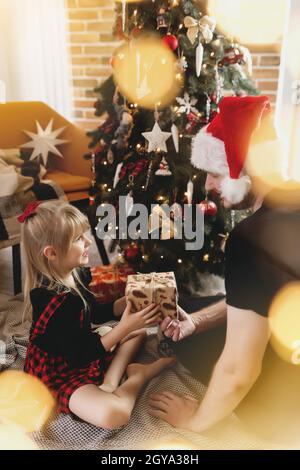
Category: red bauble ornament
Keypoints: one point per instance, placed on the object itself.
(209, 208)
(131, 253)
(171, 41)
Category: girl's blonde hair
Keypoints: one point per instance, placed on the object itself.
(54, 223)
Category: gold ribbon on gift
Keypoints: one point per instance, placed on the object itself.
(205, 26)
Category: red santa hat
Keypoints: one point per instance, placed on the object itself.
(222, 146)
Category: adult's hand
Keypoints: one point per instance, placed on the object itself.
(179, 411)
(179, 329)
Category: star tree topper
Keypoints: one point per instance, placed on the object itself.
(156, 138)
(44, 141)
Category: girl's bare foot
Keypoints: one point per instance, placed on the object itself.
(148, 371)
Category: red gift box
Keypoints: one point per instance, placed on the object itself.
(109, 282)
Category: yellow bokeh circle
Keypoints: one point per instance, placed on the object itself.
(285, 323)
(13, 437)
(24, 401)
(130, 1)
(250, 21)
(145, 72)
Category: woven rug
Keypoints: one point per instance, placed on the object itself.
(143, 431)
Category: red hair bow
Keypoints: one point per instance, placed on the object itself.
(29, 210)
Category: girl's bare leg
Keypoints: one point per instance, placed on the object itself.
(125, 355)
(138, 376)
(113, 410)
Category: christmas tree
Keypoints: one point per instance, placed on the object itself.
(132, 158)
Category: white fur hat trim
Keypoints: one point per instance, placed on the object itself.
(234, 190)
(208, 153)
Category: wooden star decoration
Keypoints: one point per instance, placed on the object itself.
(157, 139)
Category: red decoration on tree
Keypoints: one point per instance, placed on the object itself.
(91, 200)
(135, 168)
(171, 41)
(193, 122)
(131, 253)
(232, 56)
(109, 126)
(209, 208)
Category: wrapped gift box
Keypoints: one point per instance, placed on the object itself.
(109, 282)
(160, 288)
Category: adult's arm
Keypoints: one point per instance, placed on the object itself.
(234, 375)
(210, 317)
(189, 324)
(238, 367)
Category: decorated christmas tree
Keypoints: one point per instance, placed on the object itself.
(142, 151)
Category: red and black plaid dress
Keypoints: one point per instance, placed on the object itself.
(63, 351)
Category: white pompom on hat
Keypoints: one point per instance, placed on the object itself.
(222, 146)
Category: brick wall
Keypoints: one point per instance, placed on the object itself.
(266, 63)
(91, 45)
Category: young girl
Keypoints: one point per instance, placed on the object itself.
(63, 351)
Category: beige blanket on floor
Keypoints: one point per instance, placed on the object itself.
(143, 431)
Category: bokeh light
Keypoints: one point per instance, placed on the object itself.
(285, 323)
(24, 401)
(145, 72)
(170, 442)
(130, 1)
(267, 164)
(13, 437)
(268, 160)
(250, 22)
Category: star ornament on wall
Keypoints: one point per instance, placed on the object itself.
(44, 142)
(157, 139)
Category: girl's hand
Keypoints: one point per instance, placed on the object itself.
(133, 334)
(119, 306)
(145, 318)
(131, 322)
